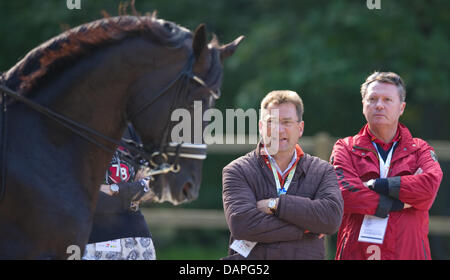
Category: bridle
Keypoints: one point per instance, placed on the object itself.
(138, 153)
(167, 148)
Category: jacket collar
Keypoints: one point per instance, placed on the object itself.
(379, 142)
(406, 144)
(260, 154)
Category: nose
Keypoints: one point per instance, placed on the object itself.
(379, 105)
(280, 128)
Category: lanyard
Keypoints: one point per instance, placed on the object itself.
(384, 165)
(281, 189)
(374, 228)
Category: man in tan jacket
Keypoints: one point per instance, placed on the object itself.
(278, 200)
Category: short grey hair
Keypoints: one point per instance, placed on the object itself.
(284, 96)
(385, 77)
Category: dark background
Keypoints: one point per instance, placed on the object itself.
(323, 50)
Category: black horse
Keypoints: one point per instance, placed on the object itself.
(101, 75)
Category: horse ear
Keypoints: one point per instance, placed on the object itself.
(229, 49)
(199, 44)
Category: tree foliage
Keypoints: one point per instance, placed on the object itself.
(322, 49)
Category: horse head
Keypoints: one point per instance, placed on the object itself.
(199, 79)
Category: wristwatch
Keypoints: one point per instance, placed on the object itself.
(114, 188)
(371, 184)
(272, 205)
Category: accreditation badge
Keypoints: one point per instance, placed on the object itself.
(243, 247)
(373, 229)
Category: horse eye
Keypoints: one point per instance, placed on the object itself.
(168, 26)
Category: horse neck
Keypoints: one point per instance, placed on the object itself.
(94, 92)
(97, 90)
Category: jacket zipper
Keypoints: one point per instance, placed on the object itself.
(424, 250)
(342, 248)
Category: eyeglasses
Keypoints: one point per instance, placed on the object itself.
(278, 123)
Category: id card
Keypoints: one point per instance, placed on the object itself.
(243, 247)
(108, 246)
(373, 229)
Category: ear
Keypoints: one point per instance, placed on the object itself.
(199, 44)
(229, 49)
(402, 108)
(301, 128)
(260, 127)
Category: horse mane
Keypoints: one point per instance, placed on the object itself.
(62, 51)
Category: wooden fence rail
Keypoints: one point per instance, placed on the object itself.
(215, 219)
(319, 145)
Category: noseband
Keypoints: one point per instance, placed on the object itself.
(146, 160)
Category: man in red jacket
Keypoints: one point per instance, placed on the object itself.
(388, 180)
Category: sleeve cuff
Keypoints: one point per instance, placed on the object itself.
(397, 205)
(388, 204)
(388, 186)
(384, 206)
(381, 186)
(279, 205)
(394, 186)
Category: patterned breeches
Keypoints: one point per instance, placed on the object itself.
(131, 248)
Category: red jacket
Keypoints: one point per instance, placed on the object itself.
(356, 161)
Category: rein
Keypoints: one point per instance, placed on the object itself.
(142, 158)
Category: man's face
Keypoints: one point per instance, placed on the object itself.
(280, 123)
(382, 105)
